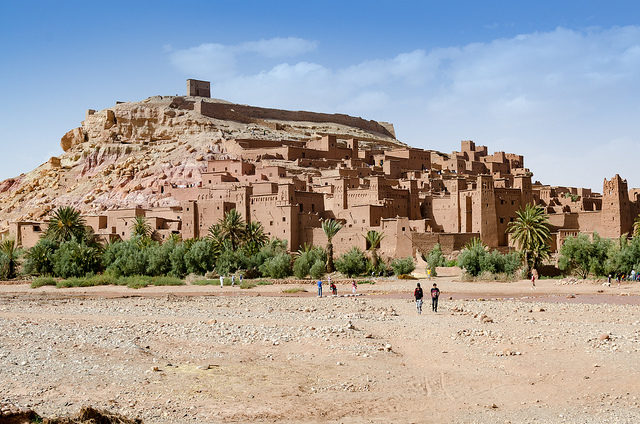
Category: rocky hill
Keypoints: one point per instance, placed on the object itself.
(119, 157)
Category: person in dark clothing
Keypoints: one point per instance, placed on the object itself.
(417, 293)
(435, 293)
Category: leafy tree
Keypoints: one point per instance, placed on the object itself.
(141, 228)
(374, 238)
(39, 259)
(75, 259)
(10, 255)
(159, 258)
(582, 256)
(232, 228)
(530, 231)
(330, 228)
(126, 258)
(66, 224)
(623, 256)
(434, 259)
(317, 269)
(229, 262)
(201, 257)
(177, 259)
(403, 266)
(352, 263)
(254, 237)
(636, 227)
(277, 267)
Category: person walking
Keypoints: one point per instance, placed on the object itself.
(334, 289)
(319, 288)
(354, 287)
(233, 280)
(418, 294)
(435, 293)
(221, 281)
(240, 279)
(534, 276)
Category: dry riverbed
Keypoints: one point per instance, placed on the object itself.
(205, 354)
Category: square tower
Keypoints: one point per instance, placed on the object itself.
(197, 88)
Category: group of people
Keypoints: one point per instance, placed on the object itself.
(435, 294)
(233, 280)
(632, 276)
(334, 289)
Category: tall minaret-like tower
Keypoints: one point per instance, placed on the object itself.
(616, 218)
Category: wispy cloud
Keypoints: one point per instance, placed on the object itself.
(219, 61)
(563, 98)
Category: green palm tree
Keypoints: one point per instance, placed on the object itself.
(530, 231)
(141, 228)
(65, 224)
(232, 228)
(636, 227)
(254, 236)
(9, 255)
(330, 228)
(374, 238)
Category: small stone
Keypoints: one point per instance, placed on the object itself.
(603, 336)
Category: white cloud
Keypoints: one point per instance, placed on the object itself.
(565, 99)
(219, 61)
(278, 47)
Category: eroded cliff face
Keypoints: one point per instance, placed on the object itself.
(121, 156)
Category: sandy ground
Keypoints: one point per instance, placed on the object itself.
(494, 353)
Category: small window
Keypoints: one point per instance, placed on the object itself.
(271, 223)
(36, 228)
(502, 220)
(513, 202)
(284, 219)
(403, 228)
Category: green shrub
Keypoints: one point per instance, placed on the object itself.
(229, 262)
(403, 266)
(470, 258)
(451, 262)
(352, 263)
(253, 263)
(304, 261)
(434, 259)
(43, 281)
(200, 258)
(176, 257)
(126, 258)
(247, 285)
(39, 259)
(277, 267)
(366, 282)
(581, 256)
(73, 259)
(318, 269)
(159, 258)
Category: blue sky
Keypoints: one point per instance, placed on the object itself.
(556, 81)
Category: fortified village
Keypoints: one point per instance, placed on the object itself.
(184, 161)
